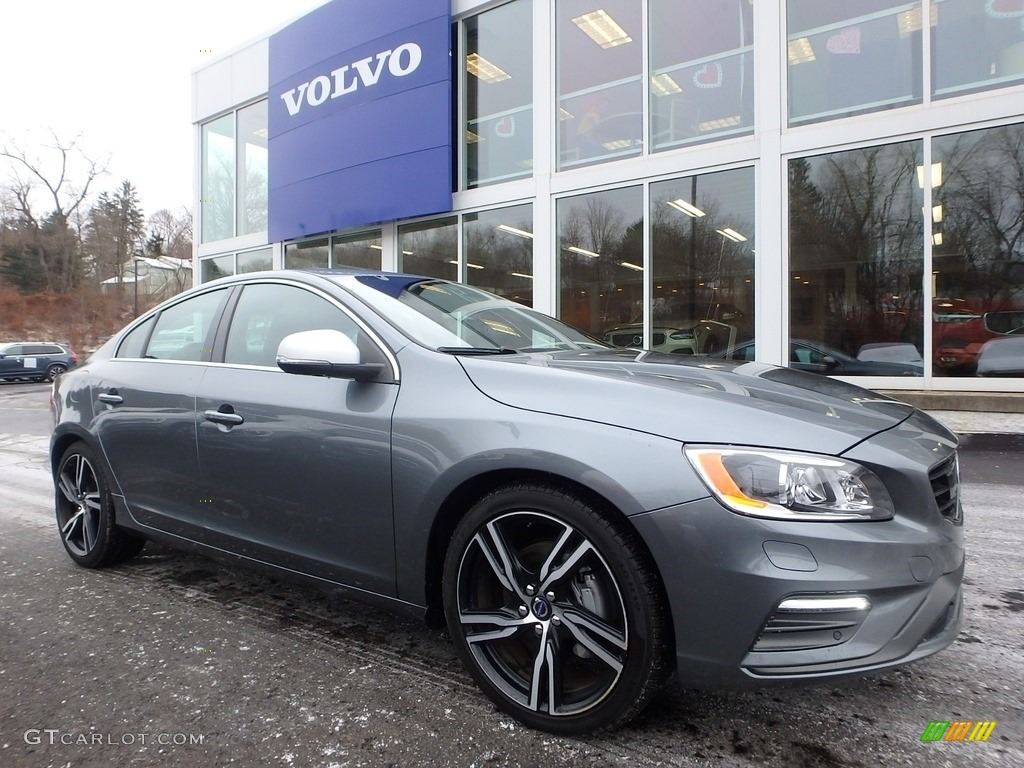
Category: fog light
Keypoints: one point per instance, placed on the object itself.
(812, 621)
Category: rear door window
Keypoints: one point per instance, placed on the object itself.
(182, 332)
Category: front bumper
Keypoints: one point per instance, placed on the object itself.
(726, 575)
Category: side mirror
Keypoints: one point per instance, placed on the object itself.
(324, 353)
(829, 361)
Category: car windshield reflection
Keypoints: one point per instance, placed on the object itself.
(455, 318)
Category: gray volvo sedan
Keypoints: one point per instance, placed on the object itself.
(586, 520)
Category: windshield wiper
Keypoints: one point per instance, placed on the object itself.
(478, 351)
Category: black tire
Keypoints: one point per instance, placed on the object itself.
(55, 370)
(85, 512)
(555, 610)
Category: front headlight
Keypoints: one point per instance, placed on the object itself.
(790, 486)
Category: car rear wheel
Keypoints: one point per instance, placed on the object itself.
(55, 370)
(85, 512)
(555, 610)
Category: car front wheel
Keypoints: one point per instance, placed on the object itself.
(555, 610)
(85, 512)
(55, 370)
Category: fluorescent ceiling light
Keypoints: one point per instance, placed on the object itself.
(261, 132)
(684, 207)
(565, 114)
(468, 264)
(630, 265)
(377, 247)
(936, 175)
(517, 232)
(480, 67)
(618, 144)
(522, 274)
(473, 138)
(909, 22)
(582, 251)
(731, 234)
(407, 253)
(602, 29)
(719, 124)
(664, 85)
(937, 238)
(801, 51)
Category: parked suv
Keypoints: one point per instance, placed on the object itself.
(35, 360)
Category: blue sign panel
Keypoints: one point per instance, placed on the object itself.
(360, 116)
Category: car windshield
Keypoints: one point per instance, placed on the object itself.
(456, 318)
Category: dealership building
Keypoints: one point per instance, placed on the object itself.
(837, 186)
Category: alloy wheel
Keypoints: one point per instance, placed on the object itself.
(79, 504)
(542, 613)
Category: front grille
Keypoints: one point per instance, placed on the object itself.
(627, 339)
(945, 480)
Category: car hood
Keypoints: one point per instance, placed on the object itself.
(694, 400)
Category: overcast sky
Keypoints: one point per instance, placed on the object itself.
(117, 74)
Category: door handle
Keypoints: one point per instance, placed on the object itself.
(229, 418)
(111, 397)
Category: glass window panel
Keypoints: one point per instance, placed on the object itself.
(702, 71)
(600, 92)
(267, 313)
(181, 331)
(430, 248)
(252, 159)
(255, 261)
(361, 249)
(856, 261)
(846, 58)
(499, 252)
(976, 45)
(977, 251)
(218, 183)
(702, 240)
(135, 341)
(311, 254)
(600, 234)
(218, 266)
(499, 94)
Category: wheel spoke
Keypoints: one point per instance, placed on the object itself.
(88, 536)
(538, 668)
(506, 571)
(80, 473)
(546, 568)
(581, 627)
(554, 680)
(568, 566)
(497, 634)
(67, 487)
(92, 501)
(497, 619)
(69, 526)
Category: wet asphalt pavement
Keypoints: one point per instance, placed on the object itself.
(174, 660)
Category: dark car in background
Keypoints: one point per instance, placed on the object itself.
(815, 357)
(587, 521)
(33, 360)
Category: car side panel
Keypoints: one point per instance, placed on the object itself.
(439, 443)
(149, 437)
(304, 480)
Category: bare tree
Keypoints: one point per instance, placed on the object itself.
(49, 239)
